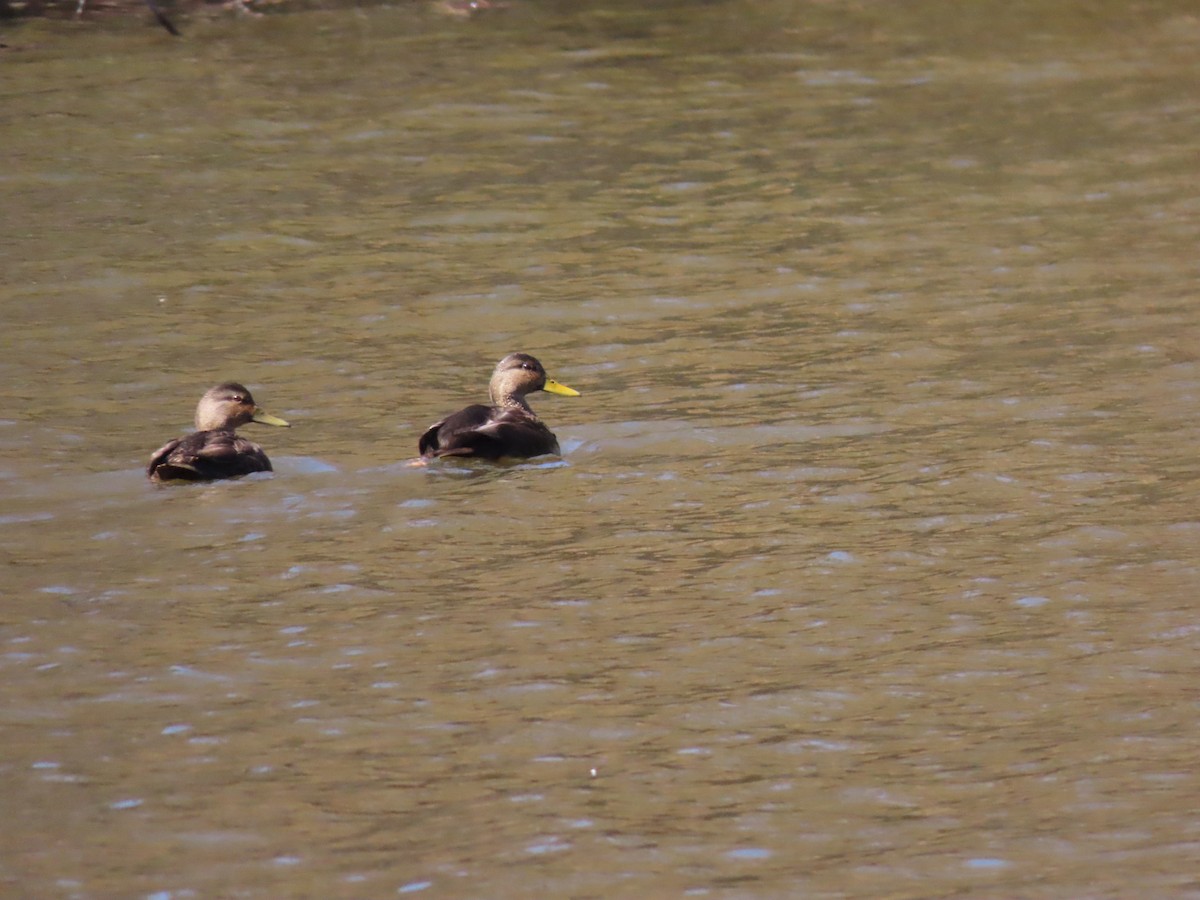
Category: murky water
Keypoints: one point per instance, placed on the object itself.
(869, 569)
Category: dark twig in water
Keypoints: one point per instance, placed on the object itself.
(154, 8)
(162, 18)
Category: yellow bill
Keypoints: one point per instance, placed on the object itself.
(553, 387)
(265, 418)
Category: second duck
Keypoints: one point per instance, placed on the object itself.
(506, 429)
(215, 450)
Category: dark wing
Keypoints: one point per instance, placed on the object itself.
(160, 457)
(487, 432)
(206, 456)
(441, 437)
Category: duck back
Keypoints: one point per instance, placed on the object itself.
(489, 432)
(207, 456)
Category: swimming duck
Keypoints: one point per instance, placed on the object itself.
(507, 428)
(215, 450)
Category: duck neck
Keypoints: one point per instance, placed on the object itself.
(213, 423)
(505, 400)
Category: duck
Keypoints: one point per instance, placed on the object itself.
(215, 450)
(508, 429)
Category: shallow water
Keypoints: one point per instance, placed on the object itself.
(869, 566)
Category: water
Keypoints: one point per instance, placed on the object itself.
(869, 567)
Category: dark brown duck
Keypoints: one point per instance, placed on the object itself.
(215, 450)
(506, 429)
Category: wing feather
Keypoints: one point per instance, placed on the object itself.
(488, 432)
(206, 456)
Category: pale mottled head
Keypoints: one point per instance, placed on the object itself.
(229, 405)
(519, 374)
